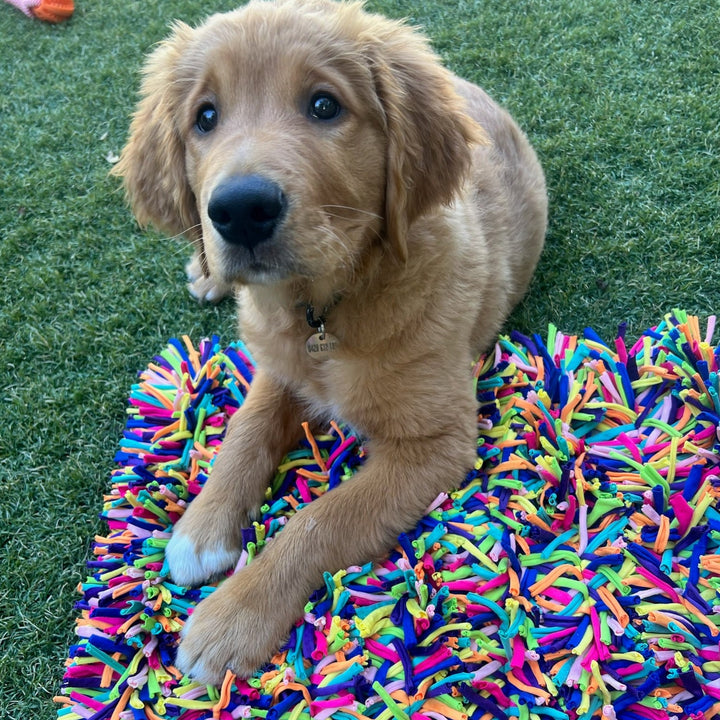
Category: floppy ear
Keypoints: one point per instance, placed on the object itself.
(152, 163)
(429, 133)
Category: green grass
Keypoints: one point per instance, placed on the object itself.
(620, 99)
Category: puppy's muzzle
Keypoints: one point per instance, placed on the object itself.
(246, 209)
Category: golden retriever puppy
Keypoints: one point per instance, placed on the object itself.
(379, 218)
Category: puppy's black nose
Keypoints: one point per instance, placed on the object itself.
(246, 209)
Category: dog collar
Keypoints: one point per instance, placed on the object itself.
(312, 321)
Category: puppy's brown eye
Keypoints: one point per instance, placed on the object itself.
(324, 106)
(207, 118)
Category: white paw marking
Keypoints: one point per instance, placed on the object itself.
(189, 568)
(193, 269)
(206, 290)
(202, 287)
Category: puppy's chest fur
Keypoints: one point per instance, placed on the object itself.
(331, 385)
(391, 352)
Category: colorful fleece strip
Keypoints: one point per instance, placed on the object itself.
(574, 575)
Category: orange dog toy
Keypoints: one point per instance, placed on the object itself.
(52, 11)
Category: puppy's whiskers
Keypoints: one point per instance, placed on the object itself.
(362, 225)
(358, 211)
(341, 250)
(339, 247)
(186, 233)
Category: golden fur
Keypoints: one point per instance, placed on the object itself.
(415, 218)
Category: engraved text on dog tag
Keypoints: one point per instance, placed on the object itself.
(321, 345)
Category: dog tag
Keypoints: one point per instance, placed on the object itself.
(321, 345)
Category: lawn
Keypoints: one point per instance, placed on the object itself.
(620, 98)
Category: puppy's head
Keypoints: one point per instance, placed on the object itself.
(287, 138)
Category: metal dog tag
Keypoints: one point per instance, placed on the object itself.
(321, 345)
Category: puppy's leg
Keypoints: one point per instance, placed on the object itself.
(246, 620)
(207, 539)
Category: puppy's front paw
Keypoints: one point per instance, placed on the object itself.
(239, 627)
(193, 557)
(202, 287)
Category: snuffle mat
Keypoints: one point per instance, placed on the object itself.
(574, 574)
